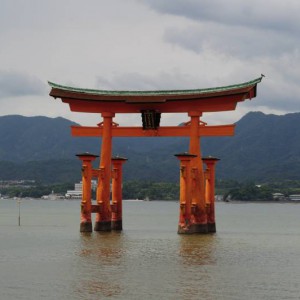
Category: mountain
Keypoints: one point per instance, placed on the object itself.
(39, 138)
(265, 147)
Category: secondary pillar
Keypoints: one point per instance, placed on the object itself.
(86, 201)
(199, 216)
(210, 188)
(185, 222)
(103, 216)
(116, 218)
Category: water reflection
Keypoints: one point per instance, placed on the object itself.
(88, 289)
(98, 268)
(197, 255)
(104, 248)
(198, 249)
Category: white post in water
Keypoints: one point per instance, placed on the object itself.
(19, 219)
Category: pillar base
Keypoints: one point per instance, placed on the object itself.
(199, 228)
(184, 230)
(211, 227)
(86, 227)
(103, 226)
(116, 225)
(194, 228)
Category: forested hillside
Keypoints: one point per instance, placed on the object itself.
(264, 148)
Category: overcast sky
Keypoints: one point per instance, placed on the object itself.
(148, 45)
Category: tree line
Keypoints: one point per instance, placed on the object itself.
(150, 190)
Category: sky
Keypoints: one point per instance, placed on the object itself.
(148, 45)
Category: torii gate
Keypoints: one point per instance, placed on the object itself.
(196, 184)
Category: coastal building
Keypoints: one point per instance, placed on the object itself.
(278, 196)
(52, 196)
(294, 197)
(77, 192)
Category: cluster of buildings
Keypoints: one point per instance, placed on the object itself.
(17, 183)
(77, 192)
(282, 197)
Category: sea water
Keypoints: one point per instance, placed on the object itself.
(255, 253)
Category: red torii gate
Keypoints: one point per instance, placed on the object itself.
(196, 185)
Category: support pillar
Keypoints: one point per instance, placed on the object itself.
(185, 222)
(116, 217)
(210, 191)
(103, 216)
(86, 201)
(199, 216)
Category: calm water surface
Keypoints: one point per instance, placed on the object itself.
(254, 255)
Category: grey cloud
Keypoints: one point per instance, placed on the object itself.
(281, 96)
(137, 81)
(245, 43)
(14, 84)
(278, 15)
(274, 95)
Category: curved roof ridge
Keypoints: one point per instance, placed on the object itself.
(155, 92)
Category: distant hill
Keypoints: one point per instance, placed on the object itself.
(264, 148)
(39, 138)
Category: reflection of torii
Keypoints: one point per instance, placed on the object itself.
(151, 104)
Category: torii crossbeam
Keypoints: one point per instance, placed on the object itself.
(196, 185)
(203, 130)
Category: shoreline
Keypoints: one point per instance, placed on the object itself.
(259, 201)
(140, 200)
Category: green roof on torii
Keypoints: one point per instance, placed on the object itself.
(204, 91)
(169, 101)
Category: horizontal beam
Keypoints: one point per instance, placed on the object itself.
(224, 103)
(217, 130)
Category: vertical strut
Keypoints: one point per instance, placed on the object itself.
(199, 217)
(185, 224)
(103, 217)
(211, 164)
(116, 218)
(86, 201)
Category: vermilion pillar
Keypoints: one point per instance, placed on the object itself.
(199, 216)
(103, 216)
(185, 222)
(210, 191)
(86, 202)
(116, 218)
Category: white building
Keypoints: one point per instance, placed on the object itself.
(278, 196)
(77, 192)
(294, 197)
